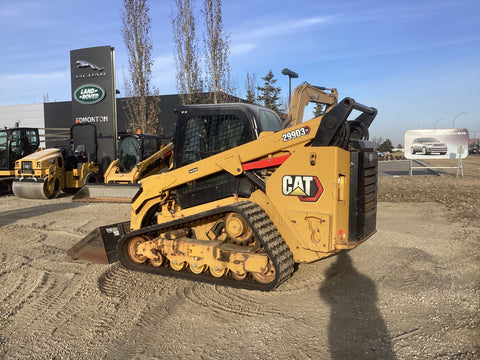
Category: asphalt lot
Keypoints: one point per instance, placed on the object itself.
(401, 168)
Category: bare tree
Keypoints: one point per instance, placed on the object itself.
(378, 140)
(251, 87)
(217, 51)
(142, 108)
(189, 83)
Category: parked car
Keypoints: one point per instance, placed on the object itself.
(427, 146)
(474, 150)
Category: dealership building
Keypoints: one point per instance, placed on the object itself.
(54, 116)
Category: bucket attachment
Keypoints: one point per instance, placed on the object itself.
(117, 193)
(100, 246)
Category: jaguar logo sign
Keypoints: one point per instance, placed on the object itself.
(86, 64)
(89, 94)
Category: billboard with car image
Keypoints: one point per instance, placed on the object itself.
(436, 144)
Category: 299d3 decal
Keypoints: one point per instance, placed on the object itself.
(294, 134)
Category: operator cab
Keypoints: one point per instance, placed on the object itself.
(83, 146)
(134, 149)
(206, 130)
(16, 143)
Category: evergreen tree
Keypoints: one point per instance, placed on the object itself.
(268, 93)
(319, 110)
(386, 146)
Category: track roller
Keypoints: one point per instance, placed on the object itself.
(241, 247)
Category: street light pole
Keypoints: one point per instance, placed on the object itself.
(291, 74)
(453, 124)
(435, 125)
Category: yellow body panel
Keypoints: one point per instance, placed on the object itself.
(75, 178)
(7, 172)
(310, 228)
(45, 163)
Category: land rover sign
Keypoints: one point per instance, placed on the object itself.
(93, 97)
(89, 94)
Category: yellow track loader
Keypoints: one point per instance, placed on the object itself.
(44, 173)
(15, 143)
(139, 156)
(247, 198)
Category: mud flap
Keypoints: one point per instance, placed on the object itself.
(100, 246)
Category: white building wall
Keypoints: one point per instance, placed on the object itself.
(29, 115)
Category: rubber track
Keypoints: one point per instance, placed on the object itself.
(263, 228)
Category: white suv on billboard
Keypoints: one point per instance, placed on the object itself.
(427, 146)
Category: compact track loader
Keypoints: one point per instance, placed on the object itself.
(15, 143)
(44, 173)
(139, 156)
(247, 198)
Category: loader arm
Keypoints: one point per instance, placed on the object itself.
(305, 94)
(152, 164)
(271, 149)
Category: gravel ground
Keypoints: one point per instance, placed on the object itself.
(410, 292)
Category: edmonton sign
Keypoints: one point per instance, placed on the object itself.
(89, 94)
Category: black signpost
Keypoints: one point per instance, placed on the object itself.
(93, 97)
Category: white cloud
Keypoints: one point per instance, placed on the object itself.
(36, 76)
(283, 27)
(239, 49)
(244, 41)
(28, 88)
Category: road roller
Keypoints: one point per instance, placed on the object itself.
(46, 172)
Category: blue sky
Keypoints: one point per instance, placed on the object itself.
(417, 62)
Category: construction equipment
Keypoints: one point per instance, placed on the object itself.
(139, 156)
(246, 199)
(305, 94)
(15, 143)
(44, 173)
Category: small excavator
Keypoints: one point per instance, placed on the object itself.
(248, 196)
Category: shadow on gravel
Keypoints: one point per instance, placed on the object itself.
(356, 329)
(9, 217)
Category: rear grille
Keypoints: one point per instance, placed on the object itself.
(27, 167)
(370, 189)
(363, 195)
